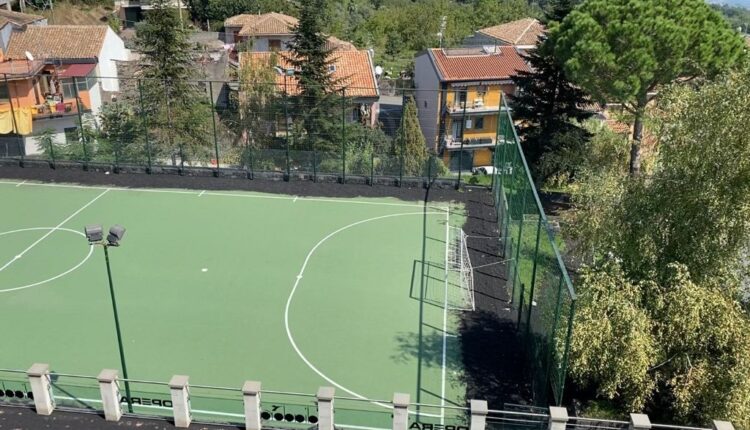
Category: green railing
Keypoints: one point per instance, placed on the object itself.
(542, 294)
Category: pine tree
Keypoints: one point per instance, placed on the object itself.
(176, 107)
(549, 104)
(311, 59)
(410, 146)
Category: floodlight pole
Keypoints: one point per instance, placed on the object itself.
(117, 327)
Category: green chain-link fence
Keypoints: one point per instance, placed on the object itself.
(541, 291)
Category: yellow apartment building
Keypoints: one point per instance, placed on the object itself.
(459, 98)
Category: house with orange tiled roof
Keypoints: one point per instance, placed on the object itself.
(459, 98)
(352, 71)
(269, 32)
(55, 77)
(523, 34)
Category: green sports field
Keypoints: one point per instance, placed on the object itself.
(295, 292)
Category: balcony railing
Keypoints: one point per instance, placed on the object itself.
(56, 110)
(475, 106)
(451, 142)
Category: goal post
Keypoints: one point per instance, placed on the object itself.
(459, 272)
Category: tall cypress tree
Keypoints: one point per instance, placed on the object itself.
(409, 146)
(312, 60)
(547, 102)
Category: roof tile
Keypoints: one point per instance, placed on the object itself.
(523, 32)
(57, 41)
(354, 71)
(474, 63)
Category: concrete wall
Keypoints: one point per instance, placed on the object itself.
(58, 125)
(113, 49)
(427, 95)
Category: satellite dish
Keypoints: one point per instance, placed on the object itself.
(29, 56)
(378, 70)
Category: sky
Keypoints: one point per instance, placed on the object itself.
(745, 3)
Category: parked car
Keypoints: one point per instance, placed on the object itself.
(483, 170)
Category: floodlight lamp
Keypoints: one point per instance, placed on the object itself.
(115, 235)
(94, 233)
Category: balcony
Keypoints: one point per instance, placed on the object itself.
(56, 110)
(450, 142)
(474, 107)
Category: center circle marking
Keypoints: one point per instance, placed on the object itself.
(35, 284)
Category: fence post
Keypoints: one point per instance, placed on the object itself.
(400, 411)
(372, 166)
(80, 122)
(558, 418)
(251, 395)
(325, 408)
(213, 118)
(533, 271)
(722, 425)
(463, 138)
(343, 135)
(52, 151)
(180, 392)
(478, 414)
(38, 375)
(520, 305)
(403, 140)
(286, 130)
(110, 393)
(145, 128)
(639, 422)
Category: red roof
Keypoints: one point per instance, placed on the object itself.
(76, 71)
(353, 71)
(466, 64)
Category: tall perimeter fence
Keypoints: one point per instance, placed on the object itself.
(271, 130)
(253, 129)
(542, 294)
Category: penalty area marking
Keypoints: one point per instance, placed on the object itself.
(294, 289)
(50, 229)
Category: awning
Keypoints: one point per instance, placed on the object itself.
(76, 71)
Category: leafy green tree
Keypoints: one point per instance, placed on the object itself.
(487, 13)
(670, 248)
(119, 135)
(551, 107)
(410, 146)
(624, 50)
(176, 107)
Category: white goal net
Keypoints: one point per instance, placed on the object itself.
(459, 271)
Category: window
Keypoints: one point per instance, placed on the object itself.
(71, 135)
(479, 123)
(331, 68)
(4, 93)
(274, 45)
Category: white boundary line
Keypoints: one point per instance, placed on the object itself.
(445, 317)
(20, 183)
(53, 230)
(23, 287)
(260, 194)
(294, 290)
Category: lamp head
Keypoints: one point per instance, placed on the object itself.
(94, 233)
(115, 234)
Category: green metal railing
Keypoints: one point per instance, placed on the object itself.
(541, 291)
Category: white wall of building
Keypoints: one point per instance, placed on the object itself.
(427, 84)
(58, 125)
(113, 50)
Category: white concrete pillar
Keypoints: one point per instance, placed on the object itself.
(639, 422)
(722, 425)
(178, 387)
(110, 393)
(251, 396)
(478, 414)
(558, 418)
(401, 411)
(44, 401)
(325, 408)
